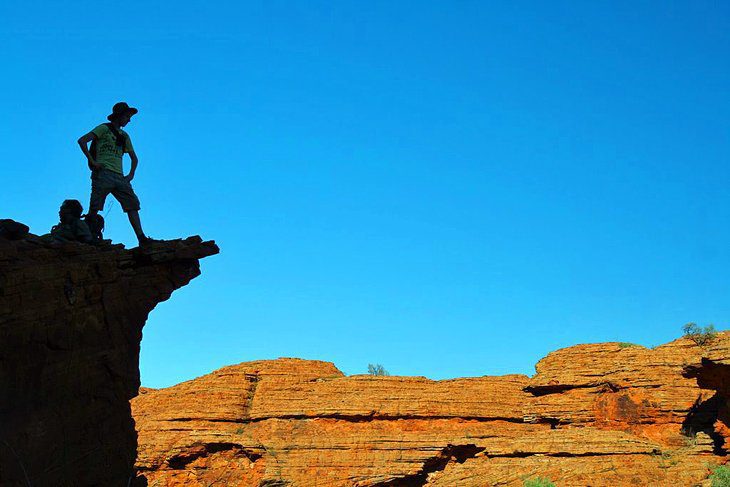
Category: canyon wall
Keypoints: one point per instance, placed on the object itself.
(607, 414)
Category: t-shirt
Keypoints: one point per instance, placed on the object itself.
(108, 153)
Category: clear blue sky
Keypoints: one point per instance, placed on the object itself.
(448, 188)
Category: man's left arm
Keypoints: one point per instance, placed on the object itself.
(129, 149)
(135, 161)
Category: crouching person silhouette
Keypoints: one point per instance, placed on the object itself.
(109, 143)
(70, 228)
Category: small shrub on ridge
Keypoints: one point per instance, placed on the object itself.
(377, 369)
(701, 336)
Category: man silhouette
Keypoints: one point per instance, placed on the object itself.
(109, 143)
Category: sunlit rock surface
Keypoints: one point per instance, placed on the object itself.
(601, 415)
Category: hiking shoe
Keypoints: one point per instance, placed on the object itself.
(148, 241)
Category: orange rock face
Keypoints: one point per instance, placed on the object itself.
(598, 415)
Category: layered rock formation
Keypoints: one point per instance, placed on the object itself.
(71, 318)
(593, 415)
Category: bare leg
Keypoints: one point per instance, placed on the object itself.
(136, 224)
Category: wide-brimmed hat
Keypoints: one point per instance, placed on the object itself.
(120, 109)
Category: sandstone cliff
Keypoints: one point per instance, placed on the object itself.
(593, 415)
(71, 318)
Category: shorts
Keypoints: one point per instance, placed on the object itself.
(104, 182)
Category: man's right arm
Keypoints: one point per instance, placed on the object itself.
(84, 144)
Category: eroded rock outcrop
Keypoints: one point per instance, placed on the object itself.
(71, 318)
(601, 415)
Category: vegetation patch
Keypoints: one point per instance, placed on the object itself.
(720, 476)
(538, 482)
(701, 336)
(377, 369)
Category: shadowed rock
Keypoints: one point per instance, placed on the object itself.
(12, 230)
(71, 319)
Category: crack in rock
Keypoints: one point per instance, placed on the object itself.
(449, 454)
(179, 462)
